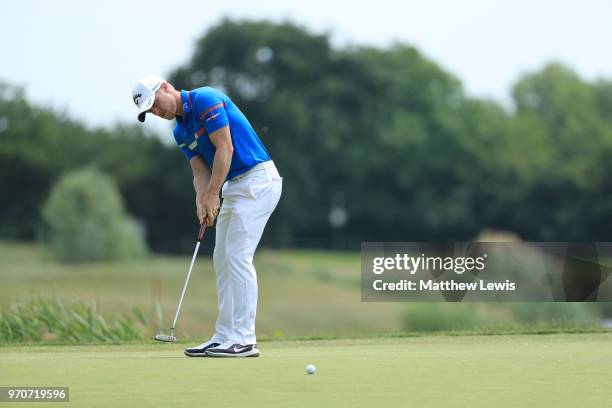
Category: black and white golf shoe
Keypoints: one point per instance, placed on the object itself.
(233, 350)
(200, 351)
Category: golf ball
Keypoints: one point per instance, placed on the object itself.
(310, 369)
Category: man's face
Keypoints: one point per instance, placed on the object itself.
(164, 105)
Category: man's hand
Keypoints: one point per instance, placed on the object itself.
(207, 208)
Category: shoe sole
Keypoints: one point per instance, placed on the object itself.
(252, 353)
(188, 354)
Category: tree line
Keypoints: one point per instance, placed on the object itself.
(374, 144)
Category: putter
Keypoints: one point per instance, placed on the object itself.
(171, 338)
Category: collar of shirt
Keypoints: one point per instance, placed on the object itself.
(187, 106)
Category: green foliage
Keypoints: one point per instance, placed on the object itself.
(36, 152)
(498, 317)
(526, 312)
(87, 220)
(390, 136)
(605, 309)
(384, 133)
(371, 130)
(436, 317)
(46, 319)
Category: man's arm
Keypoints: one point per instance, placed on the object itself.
(201, 179)
(210, 202)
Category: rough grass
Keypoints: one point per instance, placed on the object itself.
(297, 296)
(46, 319)
(303, 294)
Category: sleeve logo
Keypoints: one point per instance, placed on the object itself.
(212, 117)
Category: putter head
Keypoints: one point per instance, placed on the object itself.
(165, 338)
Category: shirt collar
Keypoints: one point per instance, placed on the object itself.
(186, 101)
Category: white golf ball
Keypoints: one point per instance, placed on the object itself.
(310, 369)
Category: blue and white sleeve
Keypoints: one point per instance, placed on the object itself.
(211, 112)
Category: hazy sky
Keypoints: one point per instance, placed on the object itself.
(83, 57)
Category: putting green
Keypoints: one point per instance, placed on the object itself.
(561, 370)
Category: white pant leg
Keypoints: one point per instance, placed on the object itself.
(223, 327)
(251, 201)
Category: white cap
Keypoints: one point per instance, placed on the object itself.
(143, 93)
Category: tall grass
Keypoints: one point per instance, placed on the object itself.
(50, 319)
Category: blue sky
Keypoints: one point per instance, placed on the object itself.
(82, 57)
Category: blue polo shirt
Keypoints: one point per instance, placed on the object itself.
(207, 110)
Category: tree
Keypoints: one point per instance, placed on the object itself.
(377, 131)
(562, 150)
(87, 221)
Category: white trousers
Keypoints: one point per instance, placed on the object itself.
(247, 206)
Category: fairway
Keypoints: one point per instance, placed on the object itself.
(561, 370)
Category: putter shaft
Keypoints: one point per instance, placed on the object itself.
(178, 309)
(172, 338)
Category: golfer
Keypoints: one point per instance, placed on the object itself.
(227, 157)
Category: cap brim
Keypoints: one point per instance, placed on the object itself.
(145, 107)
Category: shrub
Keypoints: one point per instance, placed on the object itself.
(87, 220)
(432, 317)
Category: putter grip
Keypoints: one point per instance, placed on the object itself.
(202, 230)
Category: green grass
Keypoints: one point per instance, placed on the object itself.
(557, 370)
(366, 359)
(308, 293)
(46, 319)
(302, 294)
